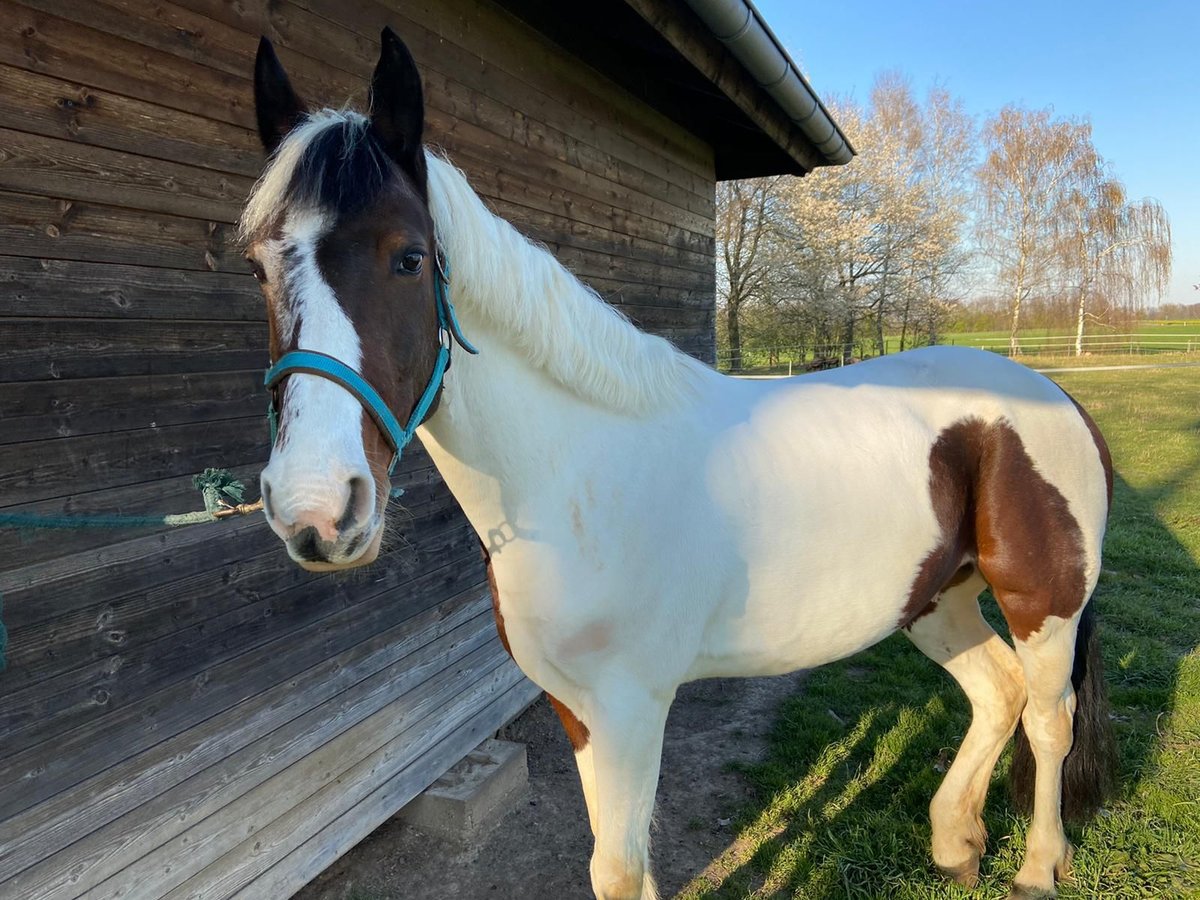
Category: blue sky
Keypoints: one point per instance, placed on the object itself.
(1132, 68)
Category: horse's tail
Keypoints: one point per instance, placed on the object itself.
(1090, 769)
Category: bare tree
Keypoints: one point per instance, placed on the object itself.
(1033, 163)
(744, 229)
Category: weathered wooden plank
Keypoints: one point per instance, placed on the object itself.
(598, 187)
(44, 469)
(526, 69)
(482, 57)
(317, 853)
(84, 697)
(464, 136)
(141, 622)
(130, 664)
(587, 264)
(547, 226)
(42, 410)
(315, 797)
(405, 676)
(197, 40)
(620, 292)
(40, 42)
(669, 320)
(38, 349)
(203, 39)
(500, 185)
(53, 228)
(41, 104)
(282, 707)
(85, 751)
(34, 164)
(55, 288)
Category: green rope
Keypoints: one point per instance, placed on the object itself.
(218, 487)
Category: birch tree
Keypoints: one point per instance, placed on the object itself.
(1033, 164)
(1116, 253)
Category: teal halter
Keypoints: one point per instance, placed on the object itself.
(310, 362)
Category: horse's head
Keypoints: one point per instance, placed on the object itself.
(339, 235)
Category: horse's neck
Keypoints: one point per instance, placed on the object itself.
(501, 427)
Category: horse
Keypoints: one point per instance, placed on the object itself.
(647, 521)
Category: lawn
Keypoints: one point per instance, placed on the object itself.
(841, 808)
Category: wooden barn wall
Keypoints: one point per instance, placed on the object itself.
(186, 713)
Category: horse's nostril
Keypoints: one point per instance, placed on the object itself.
(307, 545)
(357, 505)
(266, 498)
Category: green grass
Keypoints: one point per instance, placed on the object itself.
(842, 798)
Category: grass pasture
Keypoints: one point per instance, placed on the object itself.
(841, 809)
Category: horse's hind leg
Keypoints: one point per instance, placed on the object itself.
(1047, 656)
(954, 634)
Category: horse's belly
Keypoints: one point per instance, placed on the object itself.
(830, 537)
(801, 622)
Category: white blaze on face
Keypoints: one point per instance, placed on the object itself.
(321, 449)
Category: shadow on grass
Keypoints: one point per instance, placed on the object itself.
(843, 798)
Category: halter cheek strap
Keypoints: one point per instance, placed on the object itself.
(310, 362)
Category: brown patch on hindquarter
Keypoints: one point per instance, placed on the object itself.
(577, 732)
(993, 505)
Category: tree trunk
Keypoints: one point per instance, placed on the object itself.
(848, 339)
(1014, 344)
(1079, 323)
(735, 336)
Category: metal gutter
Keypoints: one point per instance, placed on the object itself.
(738, 25)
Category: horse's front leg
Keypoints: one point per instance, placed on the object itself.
(626, 735)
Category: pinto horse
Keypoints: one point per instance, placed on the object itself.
(648, 521)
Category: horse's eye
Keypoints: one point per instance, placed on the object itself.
(408, 263)
(260, 274)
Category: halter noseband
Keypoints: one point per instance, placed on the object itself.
(310, 362)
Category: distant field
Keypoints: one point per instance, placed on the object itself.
(1144, 337)
(1041, 347)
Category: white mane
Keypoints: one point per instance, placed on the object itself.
(559, 324)
(550, 317)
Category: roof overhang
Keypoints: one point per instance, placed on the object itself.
(713, 66)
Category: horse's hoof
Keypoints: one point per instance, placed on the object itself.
(1062, 871)
(966, 874)
(1021, 892)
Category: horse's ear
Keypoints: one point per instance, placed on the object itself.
(398, 107)
(275, 103)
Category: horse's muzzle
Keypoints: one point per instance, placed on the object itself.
(313, 552)
(324, 525)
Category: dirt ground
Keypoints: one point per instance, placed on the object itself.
(541, 848)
